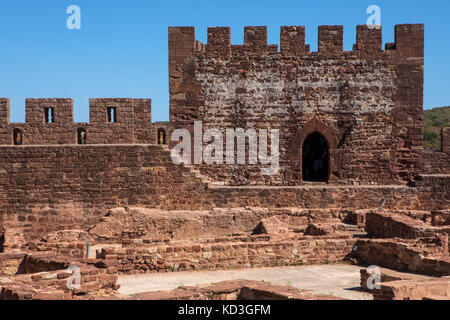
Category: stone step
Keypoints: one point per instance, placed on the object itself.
(191, 168)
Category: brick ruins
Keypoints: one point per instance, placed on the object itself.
(113, 181)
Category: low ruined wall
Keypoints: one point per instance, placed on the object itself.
(44, 277)
(226, 255)
(406, 286)
(58, 246)
(52, 285)
(152, 225)
(388, 225)
(402, 255)
(414, 290)
(11, 264)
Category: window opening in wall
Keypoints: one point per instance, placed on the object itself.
(81, 135)
(49, 115)
(17, 137)
(161, 136)
(112, 115)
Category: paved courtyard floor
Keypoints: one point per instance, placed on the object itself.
(338, 280)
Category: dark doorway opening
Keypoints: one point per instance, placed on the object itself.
(315, 158)
(17, 137)
(161, 136)
(81, 135)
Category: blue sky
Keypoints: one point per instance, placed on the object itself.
(121, 49)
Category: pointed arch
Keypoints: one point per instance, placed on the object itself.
(329, 135)
(315, 158)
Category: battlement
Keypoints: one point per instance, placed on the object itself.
(409, 41)
(101, 110)
(50, 121)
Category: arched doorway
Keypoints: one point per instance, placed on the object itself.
(315, 161)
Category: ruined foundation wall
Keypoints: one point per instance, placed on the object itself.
(226, 255)
(403, 255)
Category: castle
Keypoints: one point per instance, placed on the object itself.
(361, 110)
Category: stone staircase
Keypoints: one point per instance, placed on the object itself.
(193, 169)
(304, 195)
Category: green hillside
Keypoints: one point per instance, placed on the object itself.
(433, 121)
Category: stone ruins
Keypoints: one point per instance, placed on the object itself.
(93, 201)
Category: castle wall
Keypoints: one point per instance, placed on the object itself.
(49, 188)
(366, 102)
(436, 162)
(132, 125)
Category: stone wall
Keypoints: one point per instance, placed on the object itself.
(403, 255)
(436, 162)
(11, 264)
(438, 289)
(406, 286)
(434, 190)
(391, 225)
(153, 225)
(132, 122)
(439, 162)
(51, 284)
(48, 188)
(205, 256)
(367, 103)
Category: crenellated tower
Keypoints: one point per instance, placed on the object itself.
(371, 98)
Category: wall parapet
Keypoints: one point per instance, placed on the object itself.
(50, 121)
(408, 41)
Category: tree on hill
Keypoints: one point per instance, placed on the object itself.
(433, 122)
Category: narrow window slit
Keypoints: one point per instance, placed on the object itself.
(112, 115)
(49, 115)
